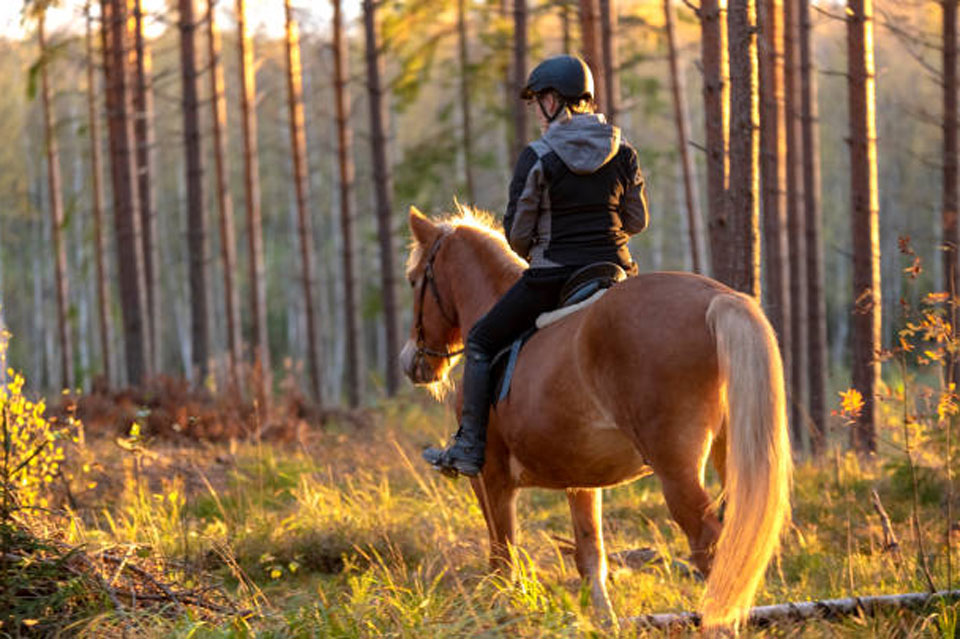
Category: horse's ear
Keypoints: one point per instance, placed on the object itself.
(423, 229)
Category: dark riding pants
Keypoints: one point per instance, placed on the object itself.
(537, 291)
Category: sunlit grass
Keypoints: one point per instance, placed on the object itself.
(349, 534)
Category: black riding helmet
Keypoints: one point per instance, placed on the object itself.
(568, 75)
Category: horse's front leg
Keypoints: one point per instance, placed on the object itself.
(497, 493)
(586, 507)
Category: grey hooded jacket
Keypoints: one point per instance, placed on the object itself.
(577, 195)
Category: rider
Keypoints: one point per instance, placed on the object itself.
(576, 197)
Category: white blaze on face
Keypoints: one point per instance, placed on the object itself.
(407, 358)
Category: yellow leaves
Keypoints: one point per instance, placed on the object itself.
(851, 405)
(851, 401)
(30, 439)
(947, 405)
(937, 297)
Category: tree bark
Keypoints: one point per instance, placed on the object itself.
(144, 134)
(773, 172)
(228, 240)
(744, 212)
(716, 100)
(251, 166)
(126, 198)
(797, 378)
(864, 219)
(298, 144)
(99, 239)
(465, 116)
(196, 220)
(519, 75)
(951, 235)
(383, 188)
(54, 186)
(345, 162)
(816, 304)
(591, 48)
(686, 162)
(611, 78)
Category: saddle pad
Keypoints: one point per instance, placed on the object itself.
(546, 319)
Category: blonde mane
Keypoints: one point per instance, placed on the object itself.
(466, 217)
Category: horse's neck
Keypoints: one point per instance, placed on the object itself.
(483, 274)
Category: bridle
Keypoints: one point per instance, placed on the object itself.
(429, 279)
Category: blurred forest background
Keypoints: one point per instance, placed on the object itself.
(434, 53)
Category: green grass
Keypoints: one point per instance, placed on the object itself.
(348, 534)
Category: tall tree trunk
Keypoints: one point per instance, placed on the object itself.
(510, 97)
(686, 162)
(345, 161)
(56, 216)
(951, 235)
(864, 218)
(298, 144)
(99, 239)
(744, 212)
(565, 26)
(591, 48)
(126, 198)
(773, 172)
(609, 39)
(464, 59)
(251, 166)
(228, 240)
(816, 304)
(196, 219)
(716, 113)
(144, 133)
(797, 377)
(383, 188)
(519, 75)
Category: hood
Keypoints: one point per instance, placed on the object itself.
(585, 142)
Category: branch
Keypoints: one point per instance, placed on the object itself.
(890, 543)
(693, 7)
(799, 611)
(824, 12)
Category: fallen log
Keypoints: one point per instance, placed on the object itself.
(763, 616)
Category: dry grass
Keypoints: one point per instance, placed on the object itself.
(344, 532)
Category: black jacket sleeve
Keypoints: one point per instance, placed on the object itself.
(520, 173)
(633, 205)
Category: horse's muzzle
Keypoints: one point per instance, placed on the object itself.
(415, 367)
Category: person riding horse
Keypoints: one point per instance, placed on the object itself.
(576, 197)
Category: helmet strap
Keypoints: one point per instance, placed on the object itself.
(561, 105)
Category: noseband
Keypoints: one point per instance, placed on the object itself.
(429, 279)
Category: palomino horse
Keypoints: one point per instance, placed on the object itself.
(651, 376)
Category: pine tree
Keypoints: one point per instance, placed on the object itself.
(864, 216)
(743, 269)
(383, 188)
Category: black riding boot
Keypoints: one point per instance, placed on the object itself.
(465, 454)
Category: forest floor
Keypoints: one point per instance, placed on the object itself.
(342, 531)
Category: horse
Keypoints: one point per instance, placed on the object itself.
(663, 372)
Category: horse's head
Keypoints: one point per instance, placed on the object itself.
(435, 339)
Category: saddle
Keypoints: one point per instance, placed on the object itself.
(585, 286)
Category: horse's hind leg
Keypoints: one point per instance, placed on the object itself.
(691, 508)
(586, 507)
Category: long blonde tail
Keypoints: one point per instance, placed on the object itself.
(759, 466)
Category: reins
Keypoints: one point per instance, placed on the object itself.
(430, 279)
